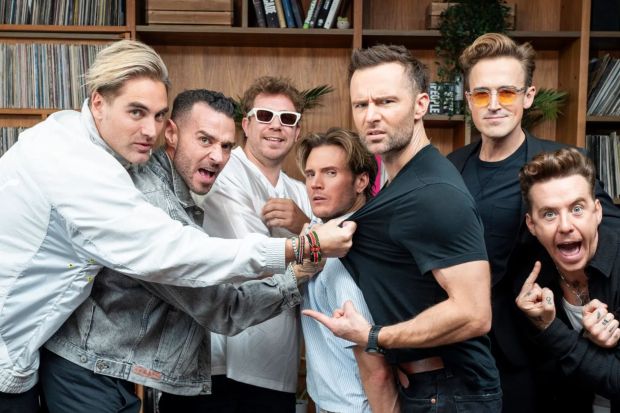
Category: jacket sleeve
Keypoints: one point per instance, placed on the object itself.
(109, 222)
(228, 308)
(578, 356)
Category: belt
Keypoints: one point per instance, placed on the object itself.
(421, 366)
(417, 366)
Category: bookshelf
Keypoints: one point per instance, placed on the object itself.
(228, 58)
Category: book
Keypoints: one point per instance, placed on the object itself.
(190, 5)
(271, 15)
(216, 18)
(260, 13)
(298, 13)
(311, 9)
(280, 12)
(441, 96)
(322, 15)
(331, 17)
(315, 13)
(288, 13)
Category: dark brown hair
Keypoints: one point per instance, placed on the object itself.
(560, 164)
(270, 85)
(492, 45)
(381, 53)
(359, 160)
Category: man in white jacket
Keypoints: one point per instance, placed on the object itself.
(70, 208)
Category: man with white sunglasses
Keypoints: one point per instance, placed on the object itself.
(256, 371)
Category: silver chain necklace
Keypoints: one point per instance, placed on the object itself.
(582, 295)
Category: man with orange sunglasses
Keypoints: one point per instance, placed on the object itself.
(498, 80)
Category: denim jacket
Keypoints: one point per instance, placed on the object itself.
(154, 334)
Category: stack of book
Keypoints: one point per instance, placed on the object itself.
(290, 13)
(44, 75)
(8, 136)
(195, 12)
(63, 12)
(605, 152)
(604, 87)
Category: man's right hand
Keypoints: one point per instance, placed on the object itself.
(600, 326)
(335, 240)
(537, 303)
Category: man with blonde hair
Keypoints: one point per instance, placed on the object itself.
(498, 77)
(71, 208)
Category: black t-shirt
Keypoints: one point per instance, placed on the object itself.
(424, 219)
(495, 188)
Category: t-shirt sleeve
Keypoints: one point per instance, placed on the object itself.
(440, 227)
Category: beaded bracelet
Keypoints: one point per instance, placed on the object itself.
(315, 247)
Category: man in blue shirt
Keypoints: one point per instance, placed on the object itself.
(339, 173)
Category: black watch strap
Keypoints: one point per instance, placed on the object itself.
(373, 341)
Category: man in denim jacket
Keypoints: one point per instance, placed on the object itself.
(129, 331)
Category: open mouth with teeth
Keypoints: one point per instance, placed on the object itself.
(569, 249)
(206, 173)
(273, 139)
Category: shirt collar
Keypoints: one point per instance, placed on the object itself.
(606, 251)
(95, 137)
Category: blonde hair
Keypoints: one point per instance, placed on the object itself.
(492, 45)
(120, 62)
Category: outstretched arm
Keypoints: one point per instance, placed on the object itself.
(465, 314)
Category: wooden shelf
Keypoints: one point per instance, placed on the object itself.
(443, 120)
(26, 31)
(27, 111)
(428, 39)
(244, 37)
(604, 40)
(603, 119)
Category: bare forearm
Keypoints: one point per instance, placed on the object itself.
(444, 323)
(378, 382)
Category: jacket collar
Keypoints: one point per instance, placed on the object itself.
(95, 137)
(606, 251)
(162, 166)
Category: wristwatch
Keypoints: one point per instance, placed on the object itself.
(373, 341)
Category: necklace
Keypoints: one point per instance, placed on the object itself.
(581, 295)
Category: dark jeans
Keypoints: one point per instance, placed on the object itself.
(440, 391)
(230, 396)
(68, 387)
(27, 402)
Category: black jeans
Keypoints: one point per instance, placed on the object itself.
(440, 391)
(230, 396)
(27, 402)
(68, 387)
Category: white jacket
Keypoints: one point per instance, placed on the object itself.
(68, 208)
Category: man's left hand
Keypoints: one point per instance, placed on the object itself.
(284, 213)
(345, 323)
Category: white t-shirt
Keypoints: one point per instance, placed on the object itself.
(267, 354)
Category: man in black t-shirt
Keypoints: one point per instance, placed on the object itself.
(418, 254)
(498, 78)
